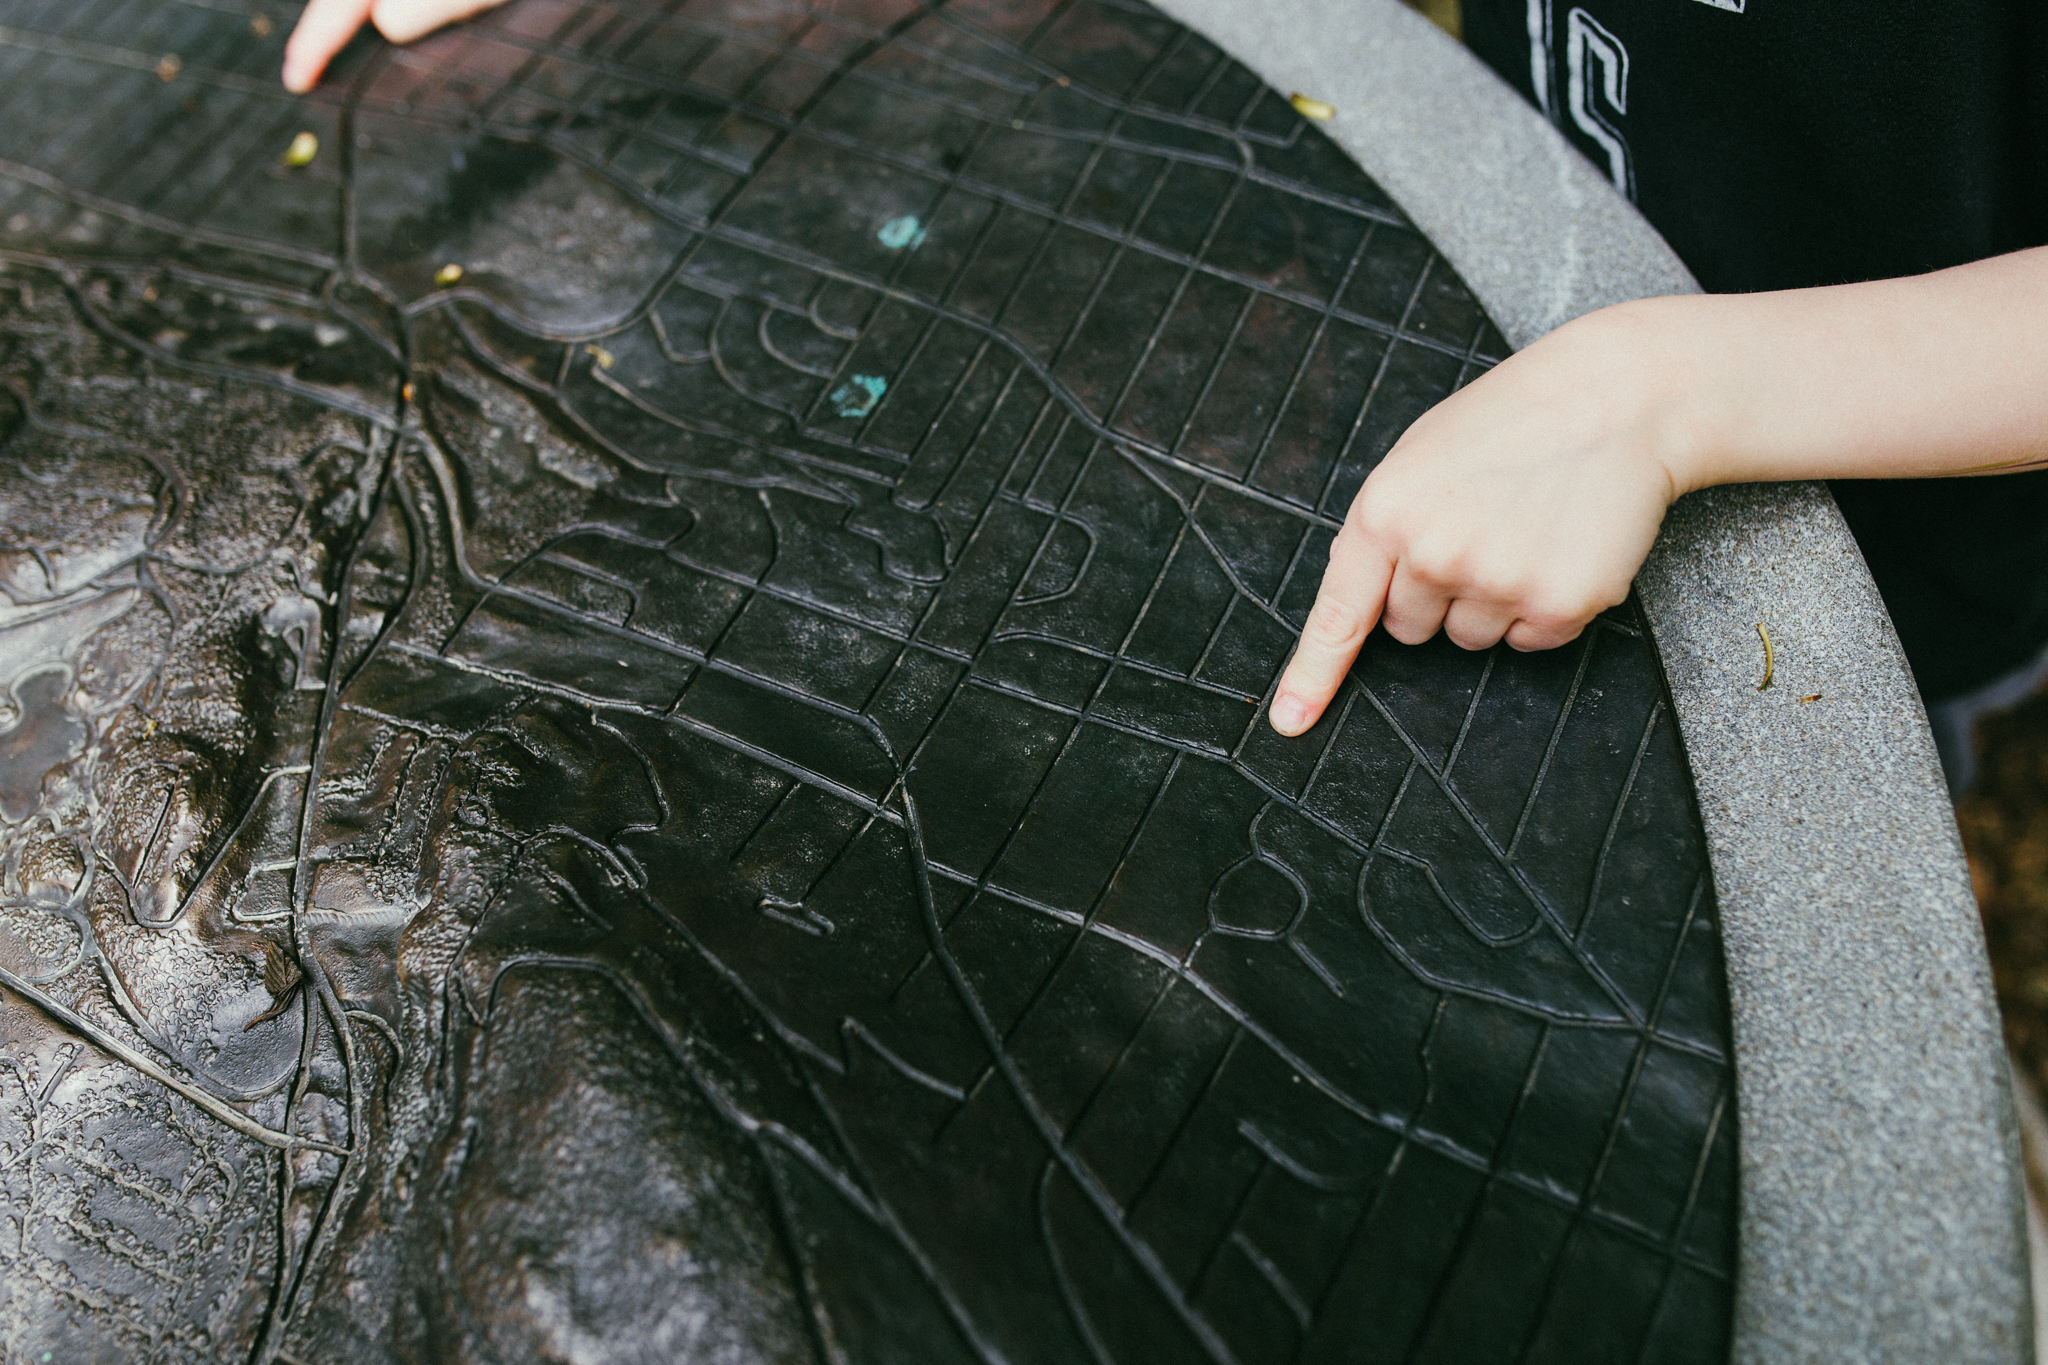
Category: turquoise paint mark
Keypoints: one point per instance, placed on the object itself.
(858, 398)
(899, 233)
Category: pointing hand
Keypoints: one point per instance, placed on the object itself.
(327, 25)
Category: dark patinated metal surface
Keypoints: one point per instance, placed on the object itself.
(698, 792)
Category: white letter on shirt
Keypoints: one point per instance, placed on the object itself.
(1583, 38)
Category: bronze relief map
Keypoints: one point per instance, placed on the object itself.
(631, 726)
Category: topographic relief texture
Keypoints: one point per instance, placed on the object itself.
(695, 790)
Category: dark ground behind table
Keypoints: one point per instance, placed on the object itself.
(794, 862)
(2005, 829)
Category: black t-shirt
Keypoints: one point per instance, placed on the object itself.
(1779, 144)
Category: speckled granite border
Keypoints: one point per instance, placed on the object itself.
(1882, 1217)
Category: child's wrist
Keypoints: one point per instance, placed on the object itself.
(1682, 385)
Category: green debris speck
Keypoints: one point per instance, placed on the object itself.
(857, 398)
(898, 233)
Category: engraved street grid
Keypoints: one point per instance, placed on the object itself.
(964, 569)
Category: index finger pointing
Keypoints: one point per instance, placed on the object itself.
(1348, 604)
(323, 30)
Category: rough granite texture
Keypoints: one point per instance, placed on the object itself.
(1882, 1215)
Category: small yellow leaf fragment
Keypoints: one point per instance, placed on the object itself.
(406, 393)
(260, 25)
(448, 274)
(1814, 697)
(168, 66)
(1765, 636)
(1315, 109)
(603, 357)
(302, 151)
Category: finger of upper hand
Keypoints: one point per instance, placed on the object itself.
(323, 30)
(1346, 608)
(404, 20)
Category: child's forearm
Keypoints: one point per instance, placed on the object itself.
(1945, 373)
(1522, 506)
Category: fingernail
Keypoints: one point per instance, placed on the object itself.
(1289, 714)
